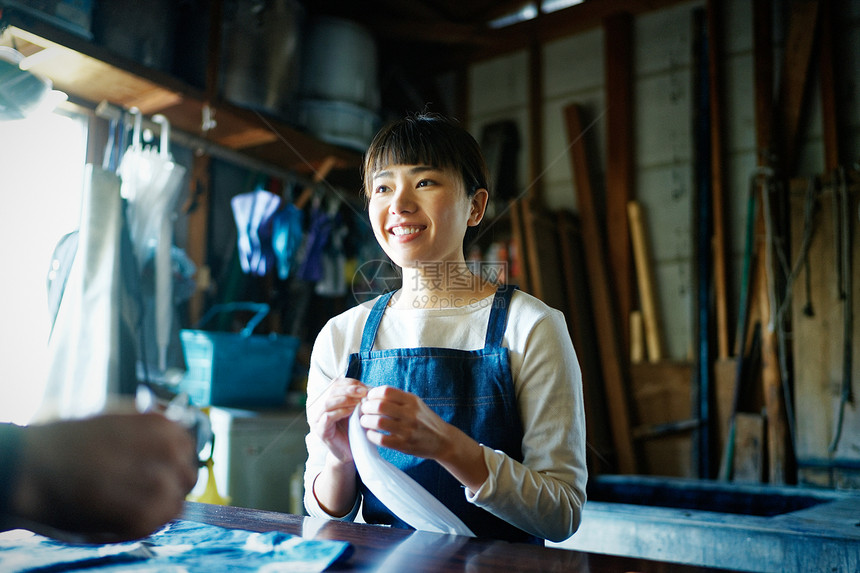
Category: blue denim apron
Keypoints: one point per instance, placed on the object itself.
(471, 389)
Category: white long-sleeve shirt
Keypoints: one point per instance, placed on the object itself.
(545, 493)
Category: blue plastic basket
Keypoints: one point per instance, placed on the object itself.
(237, 369)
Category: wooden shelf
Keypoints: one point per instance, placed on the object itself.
(90, 73)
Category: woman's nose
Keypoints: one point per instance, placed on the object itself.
(401, 202)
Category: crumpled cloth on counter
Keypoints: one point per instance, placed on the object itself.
(181, 546)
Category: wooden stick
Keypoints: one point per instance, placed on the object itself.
(620, 165)
(827, 65)
(611, 360)
(532, 201)
(718, 200)
(645, 279)
(637, 338)
(777, 429)
(796, 71)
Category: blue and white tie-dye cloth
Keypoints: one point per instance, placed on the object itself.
(180, 547)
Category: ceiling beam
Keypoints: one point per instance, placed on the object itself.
(579, 18)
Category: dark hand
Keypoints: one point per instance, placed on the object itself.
(107, 479)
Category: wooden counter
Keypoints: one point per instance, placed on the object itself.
(377, 548)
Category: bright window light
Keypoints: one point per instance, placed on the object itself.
(42, 162)
(530, 11)
(527, 12)
(548, 6)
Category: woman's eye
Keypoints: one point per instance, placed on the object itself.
(380, 189)
(425, 182)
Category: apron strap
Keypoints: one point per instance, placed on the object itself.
(499, 316)
(372, 323)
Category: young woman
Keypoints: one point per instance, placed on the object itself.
(473, 390)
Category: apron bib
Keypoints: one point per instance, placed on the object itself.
(470, 389)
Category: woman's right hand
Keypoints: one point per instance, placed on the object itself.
(329, 418)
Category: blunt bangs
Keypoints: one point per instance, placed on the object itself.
(427, 139)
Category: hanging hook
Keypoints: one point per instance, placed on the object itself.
(136, 141)
(164, 141)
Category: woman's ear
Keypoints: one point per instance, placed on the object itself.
(479, 206)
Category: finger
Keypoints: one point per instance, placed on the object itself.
(329, 419)
(385, 408)
(340, 401)
(385, 440)
(377, 423)
(387, 393)
(348, 386)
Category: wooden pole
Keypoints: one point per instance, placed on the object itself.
(198, 235)
(532, 200)
(717, 171)
(620, 167)
(611, 359)
(829, 107)
(645, 280)
(796, 68)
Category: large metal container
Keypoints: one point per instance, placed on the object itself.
(339, 63)
(261, 45)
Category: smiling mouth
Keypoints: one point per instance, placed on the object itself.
(404, 230)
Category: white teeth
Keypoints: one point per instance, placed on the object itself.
(398, 231)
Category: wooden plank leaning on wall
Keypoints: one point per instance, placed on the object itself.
(620, 168)
(612, 360)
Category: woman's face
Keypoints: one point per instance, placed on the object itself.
(420, 213)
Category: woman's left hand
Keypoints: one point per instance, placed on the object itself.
(402, 421)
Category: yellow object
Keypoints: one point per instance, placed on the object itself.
(210, 493)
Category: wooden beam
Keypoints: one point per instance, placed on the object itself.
(611, 360)
(531, 202)
(566, 22)
(714, 17)
(763, 80)
(198, 234)
(620, 168)
(797, 58)
(827, 67)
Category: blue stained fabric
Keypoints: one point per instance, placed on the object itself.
(287, 236)
(470, 389)
(321, 225)
(253, 212)
(182, 545)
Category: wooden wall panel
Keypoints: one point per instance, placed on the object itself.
(818, 339)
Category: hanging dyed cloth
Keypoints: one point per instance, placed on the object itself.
(253, 213)
(287, 238)
(333, 281)
(311, 268)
